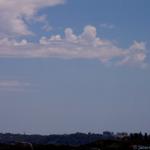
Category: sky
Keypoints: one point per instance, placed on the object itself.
(74, 66)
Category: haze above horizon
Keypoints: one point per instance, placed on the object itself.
(74, 66)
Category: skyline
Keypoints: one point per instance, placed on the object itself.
(74, 66)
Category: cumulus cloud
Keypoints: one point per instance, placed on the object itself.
(15, 13)
(136, 54)
(71, 46)
(13, 85)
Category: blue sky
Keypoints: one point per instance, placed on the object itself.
(74, 65)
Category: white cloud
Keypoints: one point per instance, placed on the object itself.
(107, 26)
(13, 14)
(136, 54)
(138, 46)
(86, 46)
(70, 36)
(89, 33)
(13, 85)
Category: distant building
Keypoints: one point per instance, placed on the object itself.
(122, 135)
(107, 134)
(140, 147)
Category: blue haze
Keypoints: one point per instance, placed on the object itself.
(67, 96)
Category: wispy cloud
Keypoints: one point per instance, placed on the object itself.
(86, 45)
(13, 85)
(107, 26)
(15, 13)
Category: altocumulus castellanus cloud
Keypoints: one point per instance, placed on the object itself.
(14, 16)
(71, 46)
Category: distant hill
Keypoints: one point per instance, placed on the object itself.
(66, 139)
(76, 141)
